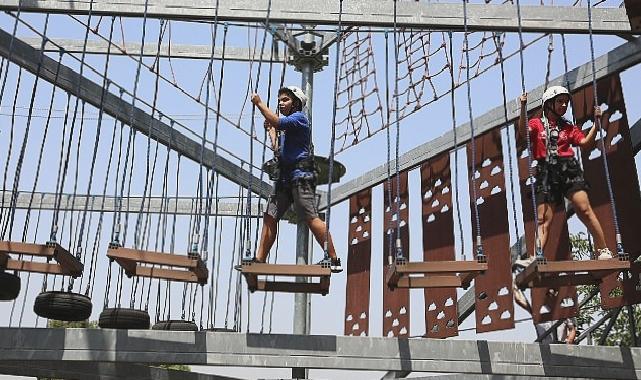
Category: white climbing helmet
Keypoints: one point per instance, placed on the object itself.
(299, 94)
(553, 92)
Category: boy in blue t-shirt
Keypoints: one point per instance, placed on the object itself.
(297, 181)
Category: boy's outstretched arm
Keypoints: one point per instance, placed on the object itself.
(268, 114)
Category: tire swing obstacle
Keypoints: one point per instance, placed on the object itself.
(58, 260)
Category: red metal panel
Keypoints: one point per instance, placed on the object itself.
(548, 304)
(633, 9)
(441, 318)
(494, 299)
(624, 178)
(396, 303)
(359, 258)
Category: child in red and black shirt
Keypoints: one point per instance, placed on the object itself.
(558, 173)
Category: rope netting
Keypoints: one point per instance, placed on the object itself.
(423, 78)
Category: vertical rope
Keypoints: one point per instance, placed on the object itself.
(457, 201)
(479, 242)
(247, 248)
(397, 122)
(606, 169)
(388, 179)
(330, 171)
(538, 249)
(509, 144)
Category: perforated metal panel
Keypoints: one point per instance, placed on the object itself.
(396, 304)
(494, 299)
(441, 319)
(625, 183)
(359, 258)
(547, 303)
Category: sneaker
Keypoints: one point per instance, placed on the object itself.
(524, 262)
(335, 265)
(603, 254)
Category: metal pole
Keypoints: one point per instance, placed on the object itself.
(302, 306)
(633, 325)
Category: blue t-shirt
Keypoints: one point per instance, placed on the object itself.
(294, 144)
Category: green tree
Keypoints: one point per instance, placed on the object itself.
(591, 312)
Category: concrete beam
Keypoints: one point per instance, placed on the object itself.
(422, 15)
(617, 60)
(166, 51)
(27, 57)
(99, 371)
(97, 203)
(323, 352)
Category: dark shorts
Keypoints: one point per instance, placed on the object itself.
(554, 182)
(302, 193)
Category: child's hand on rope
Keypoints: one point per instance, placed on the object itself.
(255, 99)
(597, 111)
(523, 98)
(267, 125)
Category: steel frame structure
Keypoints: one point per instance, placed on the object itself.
(98, 203)
(420, 15)
(166, 51)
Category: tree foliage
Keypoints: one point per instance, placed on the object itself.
(620, 333)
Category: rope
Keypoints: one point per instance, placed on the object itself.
(388, 180)
(606, 169)
(54, 223)
(6, 168)
(399, 247)
(265, 136)
(105, 87)
(477, 218)
(217, 244)
(538, 249)
(138, 241)
(210, 68)
(330, 170)
(16, 178)
(456, 147)
(217, 130)
(247, 251)
(233, 258)
(509, 145)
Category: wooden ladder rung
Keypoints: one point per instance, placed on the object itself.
(290, 270)
(569, 272)
(436, 274)
(150, 264)
(252, 270)
(66, 263)
(321, 287)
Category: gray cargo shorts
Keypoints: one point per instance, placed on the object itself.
(302, 193)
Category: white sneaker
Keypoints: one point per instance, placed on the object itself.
(524, 262)
(603, 254)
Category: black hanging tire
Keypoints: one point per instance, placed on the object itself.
(124, 318)
(63, 306)
(9, 286)
(176, 325)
